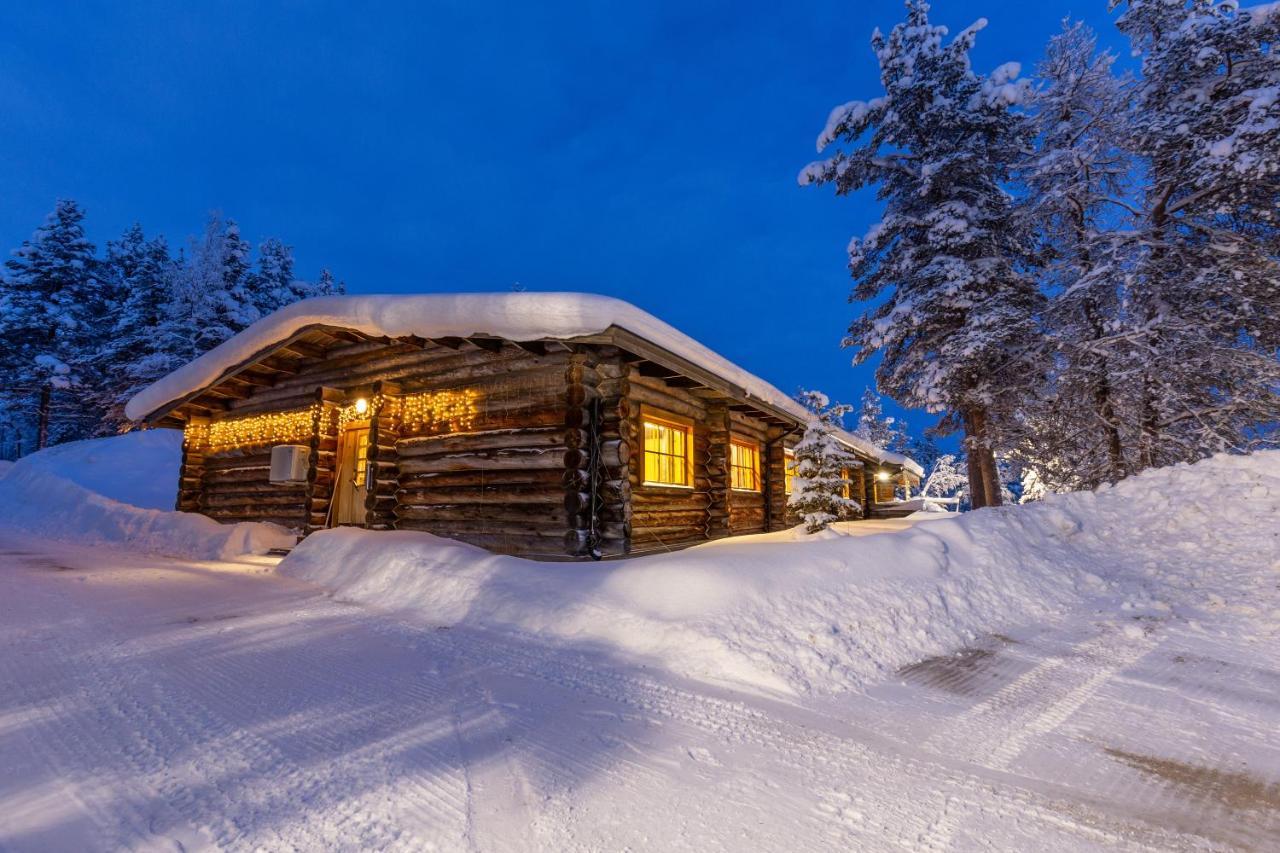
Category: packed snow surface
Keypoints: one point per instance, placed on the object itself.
(426, 697)
(118, 491)
(514, 316)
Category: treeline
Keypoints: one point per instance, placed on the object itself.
(1079, 270)
(82, 332)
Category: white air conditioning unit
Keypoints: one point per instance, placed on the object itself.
(289, 464)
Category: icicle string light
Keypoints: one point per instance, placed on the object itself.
(452, 411)
(292, 427)
(448, 411)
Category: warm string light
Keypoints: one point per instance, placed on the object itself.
(450, 411)
(454, 411)
(272, 428)
(361, 409)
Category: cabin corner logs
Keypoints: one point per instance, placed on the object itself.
(528, 449)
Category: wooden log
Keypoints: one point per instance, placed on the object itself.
(463, 528)
(496, 461)
(551, 476)
(546, 496)
(446, 443)
(666, 402)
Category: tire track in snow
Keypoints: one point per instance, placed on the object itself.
(995, 732)
(822, 756)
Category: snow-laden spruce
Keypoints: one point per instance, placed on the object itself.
(951, 309)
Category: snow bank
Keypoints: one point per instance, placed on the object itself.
(111, 490)
(810, 615)
(514, 316)
(138, 468)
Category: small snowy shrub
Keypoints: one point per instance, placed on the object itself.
(820, 484)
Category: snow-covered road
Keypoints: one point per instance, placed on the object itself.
(148, 703)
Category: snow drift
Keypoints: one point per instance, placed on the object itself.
(827, 615)
(115, 491)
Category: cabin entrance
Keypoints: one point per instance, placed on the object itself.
(351, 477)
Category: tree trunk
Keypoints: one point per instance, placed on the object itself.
(42, 429)
(973, 461)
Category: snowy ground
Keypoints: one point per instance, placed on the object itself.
(161, 703)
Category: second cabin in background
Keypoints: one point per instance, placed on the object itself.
(551, 425)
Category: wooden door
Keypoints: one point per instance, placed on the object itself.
(352, 475)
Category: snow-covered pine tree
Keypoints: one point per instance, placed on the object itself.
(273, 284)
(820, 486)
(951, 309)
(1075, 181)
(876, 427)
(138, 350)
(1202, 271)
(327, 285)
(212, 299)
(51, 313)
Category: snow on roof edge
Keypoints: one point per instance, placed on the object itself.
(513, 316)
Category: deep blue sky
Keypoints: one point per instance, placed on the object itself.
(643, 150)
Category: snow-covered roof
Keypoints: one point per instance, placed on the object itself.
(513, 316)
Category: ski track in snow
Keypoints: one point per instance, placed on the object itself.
(155, 704)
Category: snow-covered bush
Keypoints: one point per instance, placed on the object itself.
(946, 478)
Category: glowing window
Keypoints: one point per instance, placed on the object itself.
(744, 466)
(362, 458)
(788, 480)
(667, 460)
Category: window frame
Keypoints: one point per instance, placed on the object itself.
(754, 447)
(666, 421)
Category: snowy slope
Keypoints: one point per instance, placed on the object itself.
(515, 316)
(829, 615)
(117, 491)
(138, 468)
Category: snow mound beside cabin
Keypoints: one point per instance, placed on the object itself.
(798, 615)
(138, 468)
(113, 491)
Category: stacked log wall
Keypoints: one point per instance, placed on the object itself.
(597, 497)
(774, 462)
(383, 460)
(747, 508)
(323, 458)
(191, 476)
(499, 479)
(236, 487)
(665, 517)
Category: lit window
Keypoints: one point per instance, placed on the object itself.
(744, 466)
(362, 458)
(666, 453)
(788, 480)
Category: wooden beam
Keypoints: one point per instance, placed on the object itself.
(304, 350)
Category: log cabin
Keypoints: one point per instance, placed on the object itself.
(548, 425)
